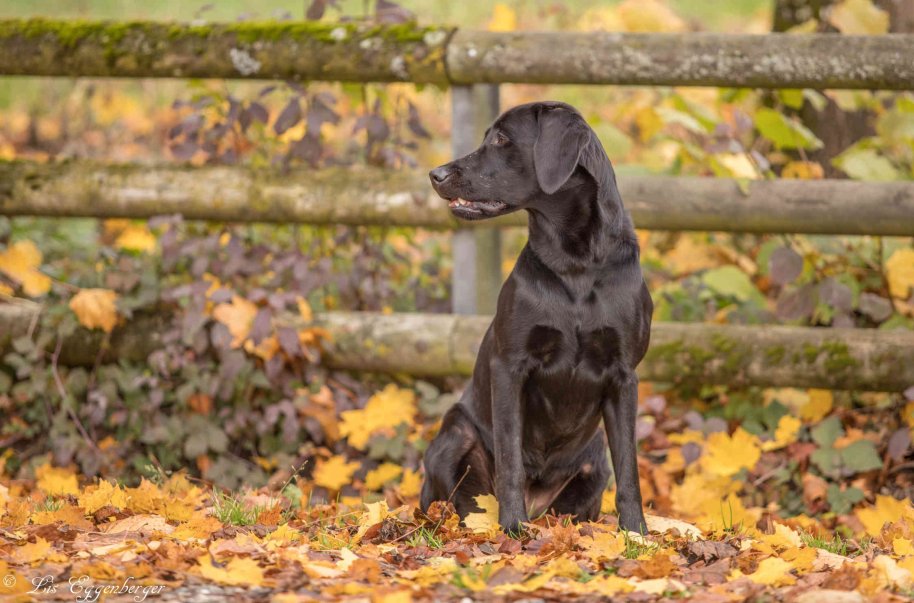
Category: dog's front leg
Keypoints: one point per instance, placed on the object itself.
(620, 410)
(507, 434)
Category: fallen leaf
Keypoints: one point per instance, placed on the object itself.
(385, 472)
(238, 571)
(773, 572)
(726, 455)
(384, 410)
(136, 237)
(95, 308)
(56, 481)
(20, 261)
(485, 522)
(335, 472)
(238, 316)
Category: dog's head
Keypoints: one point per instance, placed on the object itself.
(528, 154)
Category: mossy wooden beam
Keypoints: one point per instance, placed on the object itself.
(692, 59)
(292, 50)
(695, 354)
(366, 52)
(447, 344)
(377, 197)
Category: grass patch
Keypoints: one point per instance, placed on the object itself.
(635, 546)
(426, 537)
(837, 545)
(49, 505)
(231, 511)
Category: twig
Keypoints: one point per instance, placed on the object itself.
(65, 398)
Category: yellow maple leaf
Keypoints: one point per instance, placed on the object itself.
(819, 404)
(20, 262)
(136, 237)
(902, 547)
(887, 509)
(335, 472)
(238, 316)
(384, 410)
(56, 481)
(485, 522)
(13, 583)
(860, 17)
(239, 571)
(783, 537)
(786, 433)
(726, 455)
(197, 527)
(773, 572)
(603, 545)
(95, 308)
(888, 574)
(385, 472)
(105, 493)
(410, 484)
(899, 270)
(503, 18)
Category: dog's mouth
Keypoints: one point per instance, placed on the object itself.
(475, 210)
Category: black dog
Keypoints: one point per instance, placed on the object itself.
(572, 323)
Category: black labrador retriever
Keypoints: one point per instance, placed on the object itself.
(572, 323)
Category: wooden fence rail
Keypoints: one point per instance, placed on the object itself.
(362, 52)
(369, 196)
(446, 344)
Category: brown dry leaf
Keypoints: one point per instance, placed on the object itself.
(95, 308)
(143, 524)
(30, 552)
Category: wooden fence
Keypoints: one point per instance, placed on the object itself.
(473, 63)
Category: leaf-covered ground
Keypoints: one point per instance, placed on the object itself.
(721, 503)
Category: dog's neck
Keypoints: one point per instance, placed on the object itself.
(582, 227)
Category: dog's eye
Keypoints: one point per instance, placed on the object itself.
(500, 140)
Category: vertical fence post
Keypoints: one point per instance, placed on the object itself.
(476, 277)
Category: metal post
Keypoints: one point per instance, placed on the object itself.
(477, 275)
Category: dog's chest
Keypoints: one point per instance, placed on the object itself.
(554, 348)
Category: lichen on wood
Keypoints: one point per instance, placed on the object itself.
(262, 50)
(370, 196)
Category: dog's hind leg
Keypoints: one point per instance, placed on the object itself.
(457, 466)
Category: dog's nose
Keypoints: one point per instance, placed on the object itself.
(440, 174)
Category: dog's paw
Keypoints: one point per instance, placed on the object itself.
(513, 524)
(633, 522)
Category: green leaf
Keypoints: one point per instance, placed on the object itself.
(865, 164)
(827, 459)
(792, 97)
(733, 282)
(826, 432)
(783, 132)
(842, 502)
(861, 456)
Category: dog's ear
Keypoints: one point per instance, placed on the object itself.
(561, 139)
